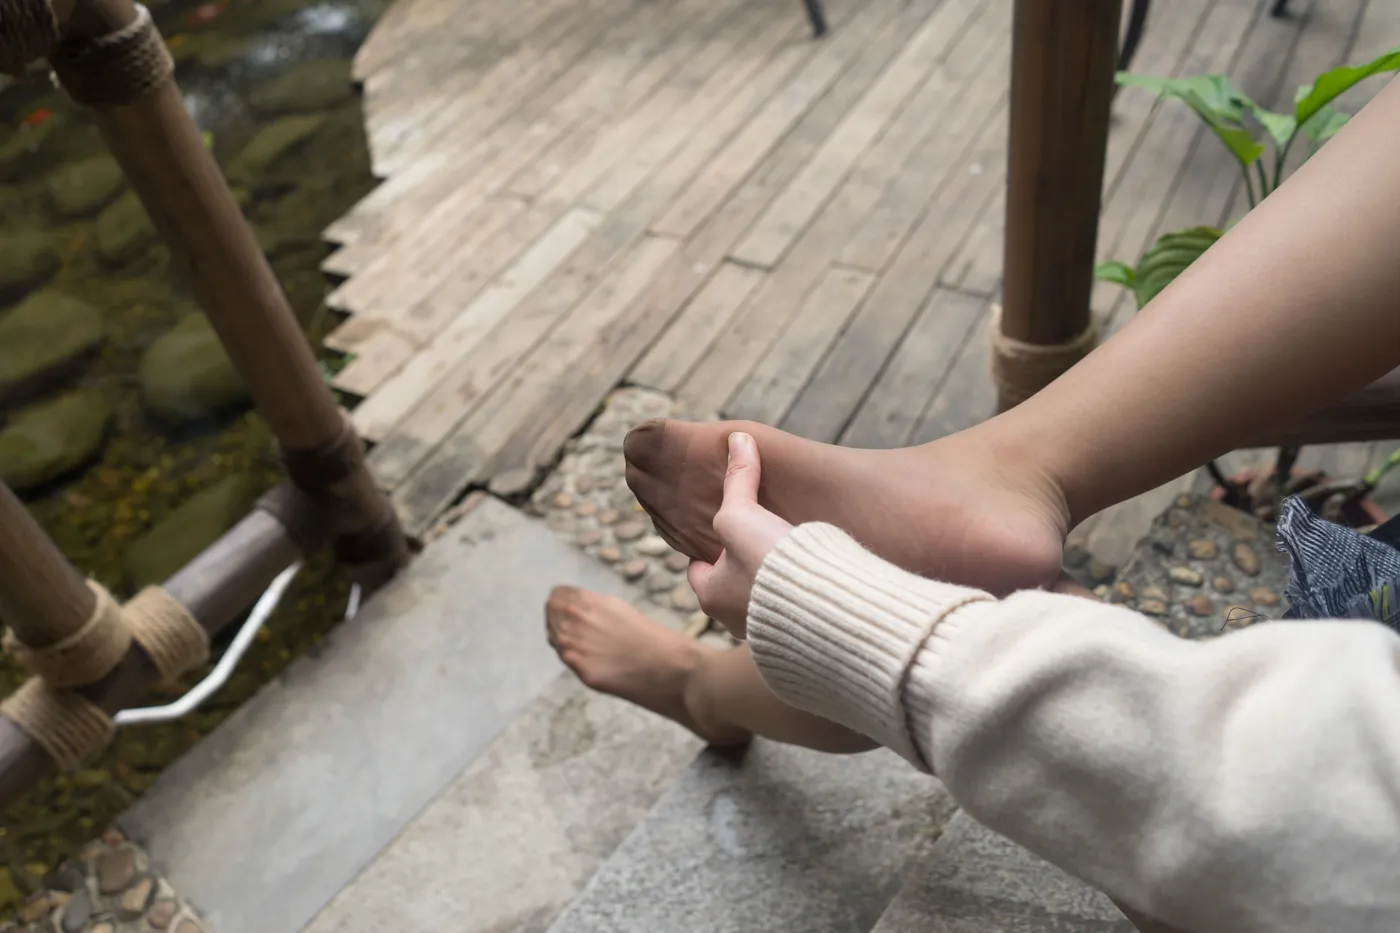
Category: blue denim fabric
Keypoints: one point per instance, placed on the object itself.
(1339, 573)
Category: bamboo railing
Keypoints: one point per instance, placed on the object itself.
(109, 57)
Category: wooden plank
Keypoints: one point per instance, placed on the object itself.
(790, 213)
(426, 476)
(967, 396)
(397, 397)
(898, 401)
(976, 267)
(475, 109)
(781, 375)
(426, 225)
(855, 362)
(1133, 211)
(747, 150)
(666, 364)
(715, 376)
(395, 290)
(472, 267)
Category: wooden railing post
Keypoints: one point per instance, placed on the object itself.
(1062, 64)
(113, 60)
(43, 597)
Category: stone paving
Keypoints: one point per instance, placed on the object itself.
(108, 888)
(586, 500)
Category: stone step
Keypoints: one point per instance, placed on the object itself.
(768, 838)
(269, 817)
(975, 881)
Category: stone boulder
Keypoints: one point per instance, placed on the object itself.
(186, 376)
(83, 188)
(26, 262)
(180, 536)
(275, 141)
(125, 231)
(47, 441)
(314, 85)
(44, 338)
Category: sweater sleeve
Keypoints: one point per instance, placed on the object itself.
(1246, 783)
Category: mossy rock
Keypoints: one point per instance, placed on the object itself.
(26, 262)
(276, 140)
(196, 524)
(51, 439)
(25, 150)
(314, 85)
(125, 231)
(186, 376)
(80, 189)
(42, 339)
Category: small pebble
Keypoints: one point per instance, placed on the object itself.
(563, 501)
(583, 485)
(1262, 596)
(1154, 592)
(1223, 584)
(1185, 501)
(653, 546)
(683, 599)
(113, 837)
(630, 531)
(1200, 605)
(76, 913)
(115, 870)
(161, 913)
(1185, 576)
(634, 569)
(1100, 572)
(677, 563)
(610, 554)
(189, 926)
(1123, 592)
(103, 927)
(608, 517)
(660, 581)
(1246, 560)
(590, 537)
(1152, 607)
(1202, 549)
(586, 509)
(36, 907)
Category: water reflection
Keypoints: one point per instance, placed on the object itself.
(121, 422)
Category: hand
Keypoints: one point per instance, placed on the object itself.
(747, 532)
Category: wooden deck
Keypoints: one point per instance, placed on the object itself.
(694, 195)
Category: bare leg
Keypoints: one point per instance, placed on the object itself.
(948, 510)
(715, 693)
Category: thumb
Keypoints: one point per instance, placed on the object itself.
(742, 476)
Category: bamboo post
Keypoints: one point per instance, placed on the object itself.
(215, 588)
(113, 60)
(1062, 64)
(43, 597)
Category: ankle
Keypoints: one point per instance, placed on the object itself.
(1013, 464)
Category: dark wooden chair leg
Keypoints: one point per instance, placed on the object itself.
(817, 16)
(1137, 23)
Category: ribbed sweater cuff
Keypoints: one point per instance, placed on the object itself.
(834, 630)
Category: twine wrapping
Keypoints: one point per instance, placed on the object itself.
(61, 722)
(167, 632)
(28, 32)
(85, 656)
(117, 68)
(1021, 369)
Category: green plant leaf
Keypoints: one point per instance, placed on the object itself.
(1311, 98)
(1119, 273)
(1324, 125)
(1168, 258)
(1279, 126)
(1218, 103)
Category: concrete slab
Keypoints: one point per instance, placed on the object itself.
(514, 839)
(775, 839)
(277, 810)
(975, 881)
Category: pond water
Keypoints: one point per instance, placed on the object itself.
(122, 425)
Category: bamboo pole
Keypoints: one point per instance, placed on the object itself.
(42, 596)
(143, 119)
(1062, 65)
(215, 587)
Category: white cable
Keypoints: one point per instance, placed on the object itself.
(221, 672)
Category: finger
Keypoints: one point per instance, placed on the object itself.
(742, 476)
(700, 574)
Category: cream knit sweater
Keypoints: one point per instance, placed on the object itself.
(1246, 783)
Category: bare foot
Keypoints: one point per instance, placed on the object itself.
(946, 510)
(615, 649)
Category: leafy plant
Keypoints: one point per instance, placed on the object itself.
(1260, 141)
